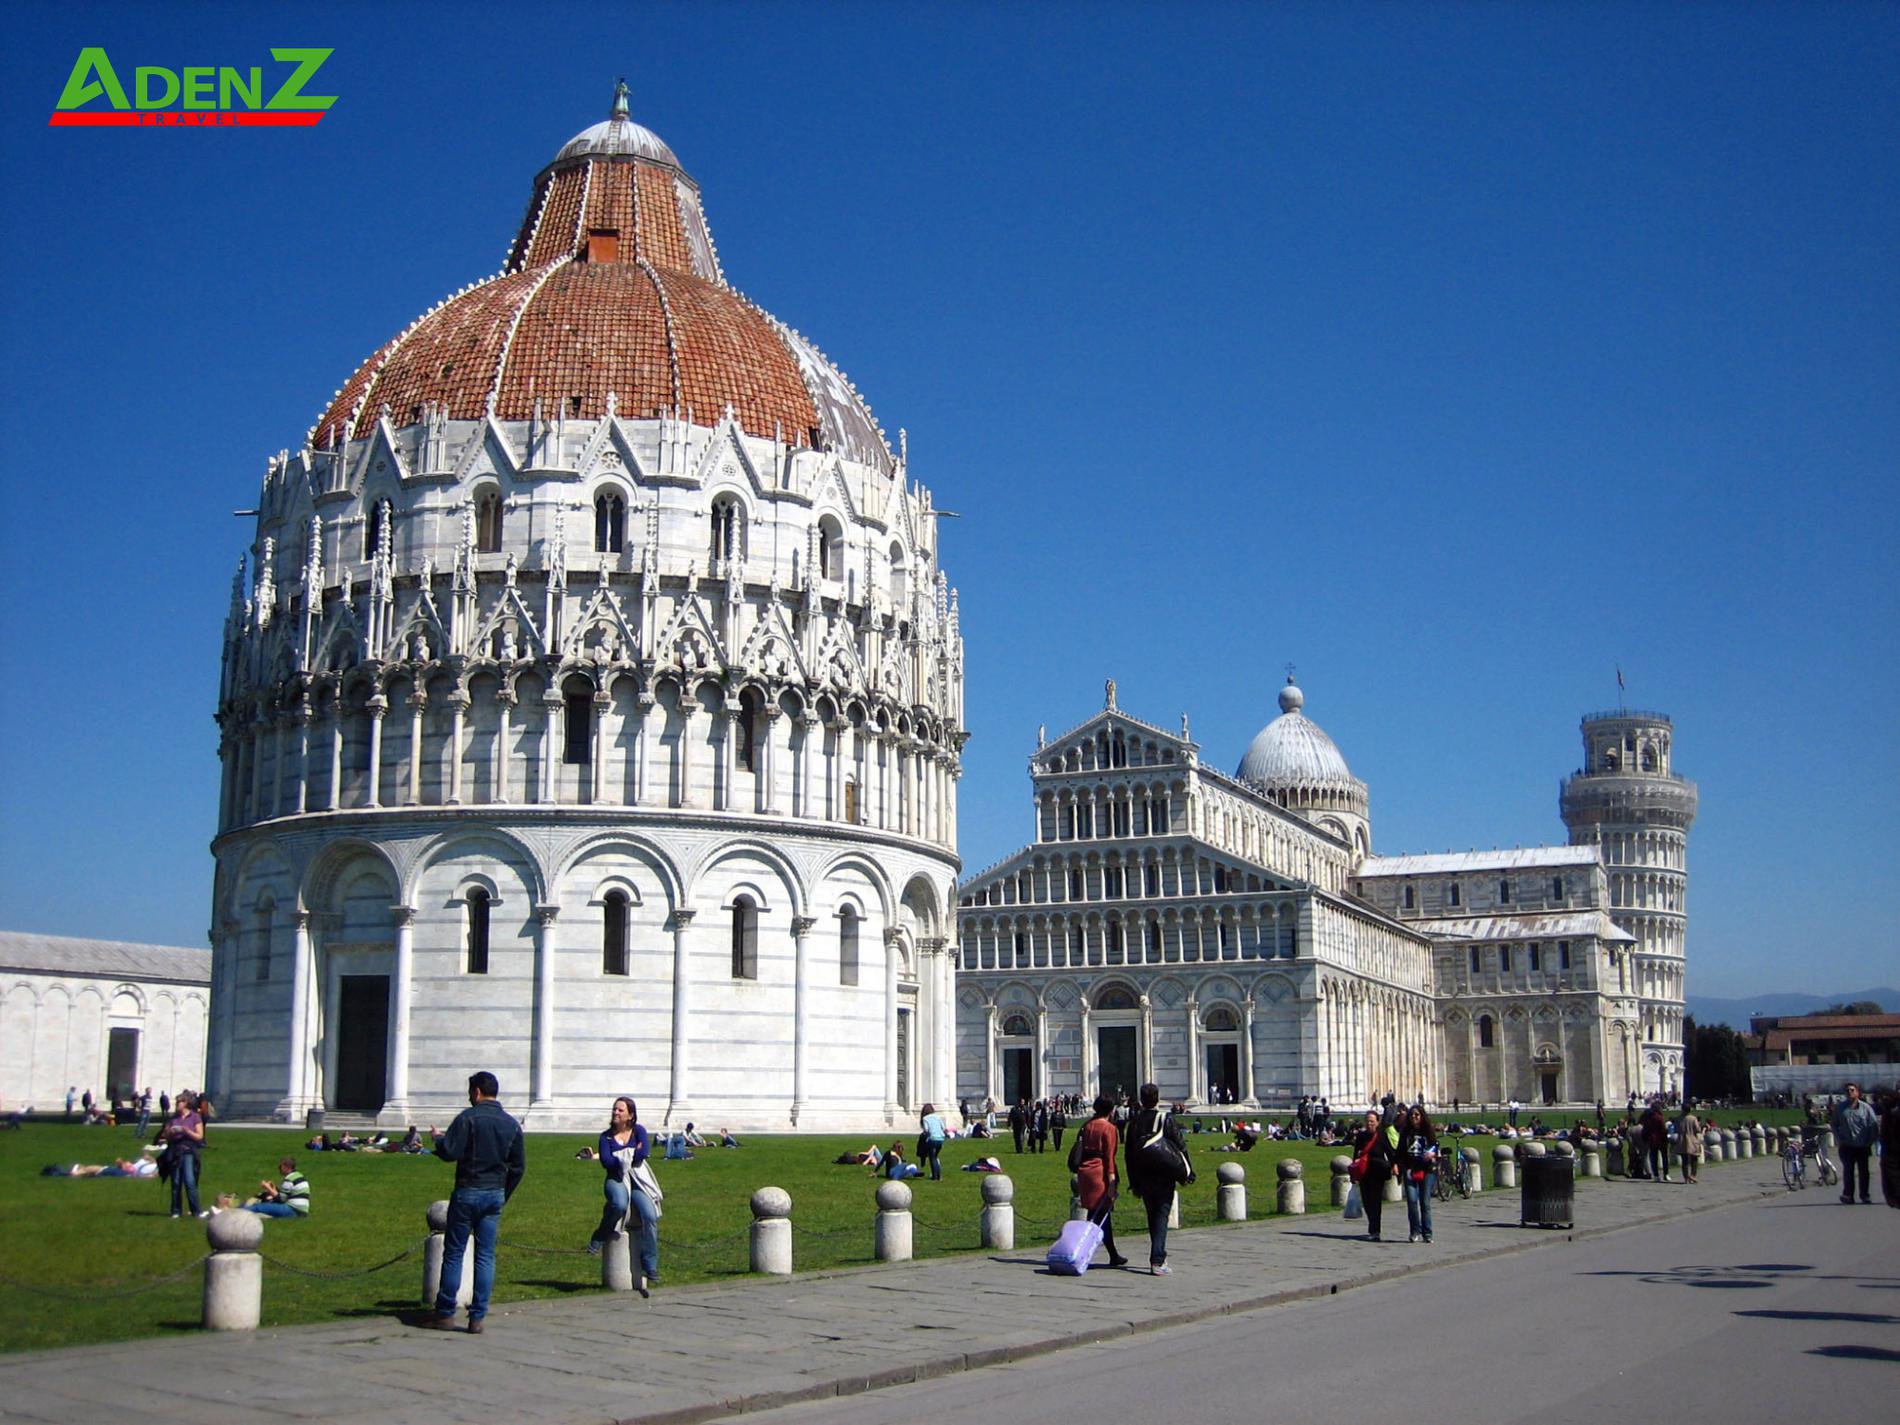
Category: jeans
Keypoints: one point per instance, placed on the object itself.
(1855, 1160)
(1658, 1163)
(272, 1209)
(933, 1154)
(185, 1181)
(476, 1212)
(1158, 1202)
(1418, 1204)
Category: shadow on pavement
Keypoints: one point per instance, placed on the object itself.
(1856, 1353)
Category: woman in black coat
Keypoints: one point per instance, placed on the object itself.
(1379, 1146)
(1150, 1125)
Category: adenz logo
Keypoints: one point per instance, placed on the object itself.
(199, 96)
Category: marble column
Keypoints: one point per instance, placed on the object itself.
(1198, 1091)
(643, 751)
(504, 753)
(722, 783)
(892, 939)
(396, 1104)
(297, 1087)
(544, 941)
(458, 724)
(374, 793)
(1248, 1092)
(603, 705)
(678, 1100)
(550, 719)
(768, 763)
(801, 1010)
(809, 750)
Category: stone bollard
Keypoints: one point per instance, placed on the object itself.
(1613, 1157)
(1342, 1179)
(772, 1231)
(1729, 1146)
(234, 1273)
(1566, 1149)
(1473, 1157)
(438, 1216)
(616, 1261)
(1712, 1146)
(1534, 1149)
(996, 1229)
(1758, 1141)
(890, 1238)
(1292, 1188)
(1174, 1210)
(1394, 1188)
(1231, 1195)
(1504, 1166)
(1592, 1160)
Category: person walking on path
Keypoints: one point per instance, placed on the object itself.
(1376, 1146)
(184, 1137)
(931, 1141)
(1152, 1137)
(1418, 1159)
(1855, 1128)
(1058, 1122)
(623, 1147)
(145, 1114)
(485, 1145)
(1092, 1160)
(1039, 1126)
(1655, 1131)
(1689, 1141)
(1019, 1122)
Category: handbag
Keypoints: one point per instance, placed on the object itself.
(1357, 1171)
(1163, 1158)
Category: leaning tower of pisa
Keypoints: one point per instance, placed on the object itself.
(1627, 802)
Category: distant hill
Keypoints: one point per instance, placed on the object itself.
(1736, 1012)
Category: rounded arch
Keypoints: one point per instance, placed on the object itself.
(320, 879)
(924, 900)
(854, 860)
(776, 860)
(248, 869)
(514, 851)
(1114, 994)
(649, 852)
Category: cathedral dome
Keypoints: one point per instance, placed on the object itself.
(612, 295)
(1292, 750)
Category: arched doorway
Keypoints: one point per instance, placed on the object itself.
(1115, 1018)
(1016, 1048)
(1220, 1054)
(1548, 1065)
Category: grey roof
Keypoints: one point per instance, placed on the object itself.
(1574, 924)
(1451, 862)
(103, 959)
(611, 137)
(1293, 751)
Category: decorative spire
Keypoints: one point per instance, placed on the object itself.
(266, 584)
(619, 110)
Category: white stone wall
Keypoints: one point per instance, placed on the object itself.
(54, 1031)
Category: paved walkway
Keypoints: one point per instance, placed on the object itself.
(699, 1353)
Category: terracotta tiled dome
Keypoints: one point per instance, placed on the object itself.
(612, 286)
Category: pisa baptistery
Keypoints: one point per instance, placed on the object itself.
(591, 708)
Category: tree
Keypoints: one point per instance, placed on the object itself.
(1717, 1062)
(1859, 1006)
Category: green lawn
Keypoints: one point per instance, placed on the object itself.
(91, 1241)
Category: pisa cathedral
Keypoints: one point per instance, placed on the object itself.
(1234, 939)
(591, 708)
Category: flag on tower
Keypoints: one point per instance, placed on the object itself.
(1619, 677)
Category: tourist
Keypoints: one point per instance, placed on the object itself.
(288, 1197)
(895, 1167)
(411, 1141)
(1039, 1126)
(1689, 1144)
(145, 1113)
(1092, 1160)
(1019, 1122)
(694, 1138)
(1890, 1149)
(1058, 1121)
(1515, 1107)
(1153, 1136)
(183, 1137)
(1655, 1130)
(623, 1149)
(71, 1089)
(1376, 1149)
(1418, 1159)
(726, 1140)
(485, 1145)
(963, 1111)
(1855, 1129)
(930, 1142)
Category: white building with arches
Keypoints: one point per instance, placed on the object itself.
(103, 1016)
(592, 711)
(1234, 939)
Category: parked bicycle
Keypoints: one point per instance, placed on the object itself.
(1454, 1173)
(1794, 1170)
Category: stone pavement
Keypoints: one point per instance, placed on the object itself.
(702, 1352)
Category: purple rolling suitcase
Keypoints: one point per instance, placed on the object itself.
(1074, 1247)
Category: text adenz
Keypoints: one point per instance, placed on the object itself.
(197, 96)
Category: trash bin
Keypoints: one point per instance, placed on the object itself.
(1549, 1189)
(313, 1121)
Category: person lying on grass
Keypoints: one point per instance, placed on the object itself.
(117, 1168)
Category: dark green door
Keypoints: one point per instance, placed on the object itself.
(362, 1043)
(1118, 1065)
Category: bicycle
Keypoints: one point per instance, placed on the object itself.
(1825, 1170)
(1454, 1173)
(1794, 1165)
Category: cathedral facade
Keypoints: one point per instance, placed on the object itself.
(591, 708)
(1234, 939)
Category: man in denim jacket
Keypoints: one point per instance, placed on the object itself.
(485, 1145)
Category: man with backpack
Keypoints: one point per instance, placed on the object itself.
(1157, 1165)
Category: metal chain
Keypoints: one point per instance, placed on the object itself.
(295, 1270)
(94, 1294)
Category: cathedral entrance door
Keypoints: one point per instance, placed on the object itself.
(362, 1050)
(1223, 1073)
(1117, 1062)
(1547, 1082)
(1019, 1080)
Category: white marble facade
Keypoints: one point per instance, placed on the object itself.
(592, 714)
(1235, 935)
(98, 1015)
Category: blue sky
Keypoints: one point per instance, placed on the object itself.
(1457, 355)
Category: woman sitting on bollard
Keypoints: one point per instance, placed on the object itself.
(1418, 1158)
(623, 1149)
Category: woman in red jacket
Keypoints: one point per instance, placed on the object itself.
(1092, 1160)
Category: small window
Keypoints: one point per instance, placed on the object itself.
(1556, 888)
(488, 523)
(1411, 898)
(1075, 885)
(1504, 959)
(603, 245)
(1563, 954)
(727, 530)
(746, 726)
(1487, 1032)
(1504, 892)
(745, 939)
(610, 523)
(1022, 949)
(1151, 879)
(1476, 960)
(475, 911)
(1451, 894)
(578, 751)
(847, 946)
(613, 934)
(373, 528)
(831, 549)
(1537, 958)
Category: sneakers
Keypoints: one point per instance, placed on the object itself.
(1118, 1261)
(474, 1328)
(640, 1285)
(437, 1323)
(175, 1215)
(1847, 1201)
(593, 1248)
(1164, 1270)
(205, 1213)
(1411, 1236)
